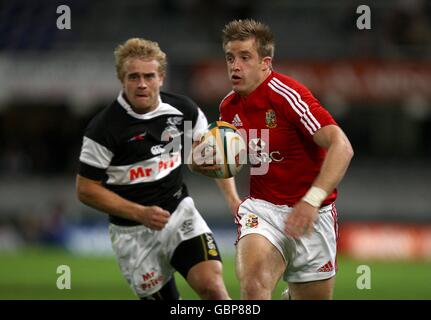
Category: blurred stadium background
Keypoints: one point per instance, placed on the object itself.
(377, 84)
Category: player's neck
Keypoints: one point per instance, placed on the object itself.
(264, 77)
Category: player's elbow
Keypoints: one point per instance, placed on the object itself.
(347, 149)
(343, 145)
(83, 191)
(350, 152)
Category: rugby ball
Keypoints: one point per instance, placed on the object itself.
(227, 147)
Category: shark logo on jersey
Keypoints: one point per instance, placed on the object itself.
(174, 121)
(171, 132)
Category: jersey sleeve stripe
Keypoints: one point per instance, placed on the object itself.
(303, 107)
(94, 154)
(306, 124)
(299, 99)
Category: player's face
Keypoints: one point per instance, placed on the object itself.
(141, 84)
(245, 68)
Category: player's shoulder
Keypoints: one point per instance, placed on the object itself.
(184, 104)
(282, 87)
(181, 102)
(106, 117)
(229, 98)
(282, 81)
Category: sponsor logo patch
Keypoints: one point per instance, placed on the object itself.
(150, 280)
(187, 226)
(138, 137)
(327, 267)
(237, 121)
(212, 249)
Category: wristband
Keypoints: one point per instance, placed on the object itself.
(315, 196)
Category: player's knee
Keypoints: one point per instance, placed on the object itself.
(255, 287)
(206, 278)
(212, 289)
(208, 282)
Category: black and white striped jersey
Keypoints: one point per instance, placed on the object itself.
(139, 156)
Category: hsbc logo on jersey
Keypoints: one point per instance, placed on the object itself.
(257, 144)
(259, 153)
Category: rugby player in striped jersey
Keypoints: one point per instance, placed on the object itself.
(130, 168)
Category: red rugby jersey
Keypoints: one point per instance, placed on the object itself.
(292, 115)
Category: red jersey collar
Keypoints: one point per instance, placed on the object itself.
(259, 88)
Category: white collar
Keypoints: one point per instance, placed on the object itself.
(161, 109)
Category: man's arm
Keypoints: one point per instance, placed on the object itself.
(198, 163)
(337, 160)
(93, 194)
(228, 188)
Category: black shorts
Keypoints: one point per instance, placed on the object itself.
(192, 251)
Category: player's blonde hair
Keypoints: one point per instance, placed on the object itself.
(139, 48)
(249, 28)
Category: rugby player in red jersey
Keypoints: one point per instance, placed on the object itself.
(288, 225)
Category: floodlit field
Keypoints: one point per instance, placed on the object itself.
(31, 274)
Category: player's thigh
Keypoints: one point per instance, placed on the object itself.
(258, 258)
(312, 290)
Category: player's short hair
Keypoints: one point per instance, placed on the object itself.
(249, 28)
(139, 48)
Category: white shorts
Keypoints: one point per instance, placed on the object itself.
(307, 258)
(144, 254)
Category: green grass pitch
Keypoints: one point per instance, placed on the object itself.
(31, 274)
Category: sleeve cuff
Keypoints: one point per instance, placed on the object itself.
(90, 172)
